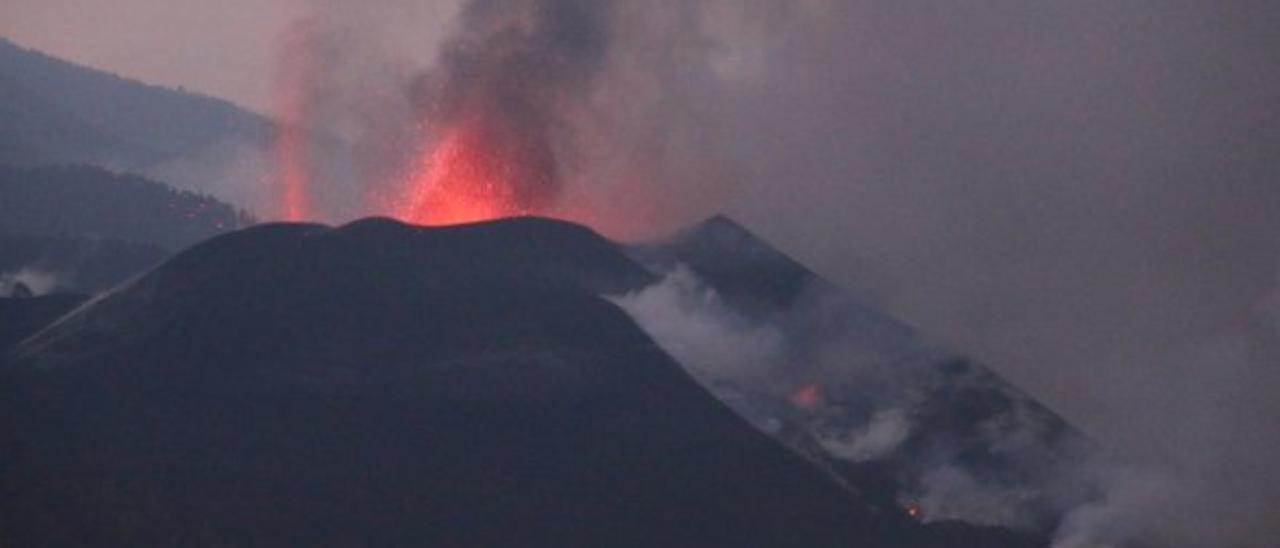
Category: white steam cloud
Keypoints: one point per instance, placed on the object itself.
(688, 320)
(886, 430)
(879, 396)
(884, 402)
(33, 280)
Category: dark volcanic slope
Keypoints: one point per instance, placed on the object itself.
(380, 384)
(22, 317)
(907, 423)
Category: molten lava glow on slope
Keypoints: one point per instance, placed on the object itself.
(808, 396)
(478, 170)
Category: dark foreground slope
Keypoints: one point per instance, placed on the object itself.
(21, 317)
(380, 384)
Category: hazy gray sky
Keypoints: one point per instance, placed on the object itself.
(220, 48)
(1084, 194)
(224, 48)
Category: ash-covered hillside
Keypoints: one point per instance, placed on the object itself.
(382, 384)
(907, 424)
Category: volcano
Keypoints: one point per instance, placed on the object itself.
(906, 423)
(387, 384)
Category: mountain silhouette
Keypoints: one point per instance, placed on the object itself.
(54, 111)
(385, 384)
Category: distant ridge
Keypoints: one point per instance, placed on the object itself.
(55, 111)
(83, 201)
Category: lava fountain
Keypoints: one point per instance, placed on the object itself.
(292, 174)
(294, 74)
(480, 168)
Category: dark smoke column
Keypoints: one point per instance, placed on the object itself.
(493, 108)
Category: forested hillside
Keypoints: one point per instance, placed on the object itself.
(88, 201)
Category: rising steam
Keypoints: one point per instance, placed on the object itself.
(1082, 194)
(564, 108)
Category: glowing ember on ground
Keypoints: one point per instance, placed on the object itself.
(808, 396)
(913, 511)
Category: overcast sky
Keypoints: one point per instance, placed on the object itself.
(224, 48)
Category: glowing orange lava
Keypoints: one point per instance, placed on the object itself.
(292, 175)
(294, 72)
(480, 169)
(460, 185)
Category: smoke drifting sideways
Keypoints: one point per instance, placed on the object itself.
(1082, 195)
(951, 441)
(563, 108)
(493, 105)
(945, 438)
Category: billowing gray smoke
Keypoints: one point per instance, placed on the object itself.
(1082, 194)
(597, 111)
(507, 77)
(954, 442)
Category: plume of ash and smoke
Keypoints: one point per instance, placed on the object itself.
(594, 111)
(509, 75)
(959, 443)
(1083, 195)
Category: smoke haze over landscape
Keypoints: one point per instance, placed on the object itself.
(1084, 196)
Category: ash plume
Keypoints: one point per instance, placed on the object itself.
(887, 402)
(1083, 196)
(346, 123)
(594, 111)
(508, 74)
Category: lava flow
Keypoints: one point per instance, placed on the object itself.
(480, 169)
